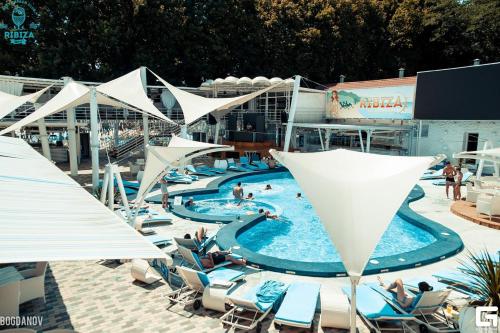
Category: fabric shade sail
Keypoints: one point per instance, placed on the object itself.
(129, 89)
(490, 155)
(46, 216)
(72, 95)
(9, 103)
(160, 158)
(194, 107)
(355, 194)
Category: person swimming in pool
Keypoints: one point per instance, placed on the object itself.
(250, 196)
(212, 259)
(268, 187)
(299, 196)
(238, 191)
(190, 202)
(402, 297)
(268, 214)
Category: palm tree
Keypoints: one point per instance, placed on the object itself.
(484, 272)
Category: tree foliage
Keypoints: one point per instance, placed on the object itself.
(190, 40)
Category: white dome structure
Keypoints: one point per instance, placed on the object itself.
(230, 81)
(244, 81)
(218, 81)
(276, 80)
(261, 81)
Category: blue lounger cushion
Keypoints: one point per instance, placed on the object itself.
(225, 274)
(372, 305)
(299, 304)
(157, 239)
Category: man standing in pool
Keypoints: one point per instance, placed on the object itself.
(238, 192)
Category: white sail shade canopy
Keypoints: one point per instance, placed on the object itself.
(8, 102)
(355, 194)
(490, 155)
(72, 95)
(160, 158)
(129, 89)
(47, 216)
(194, 107)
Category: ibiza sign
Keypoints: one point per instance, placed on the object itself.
(19, 22)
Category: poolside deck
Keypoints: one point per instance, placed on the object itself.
(467, 210)
(101, 297)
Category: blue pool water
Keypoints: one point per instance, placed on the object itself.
(298, 233)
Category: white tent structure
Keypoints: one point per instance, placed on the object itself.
(486, 155)
(9, 103)
(161, 159)
(354, 205)
(46, 216)
(194, 107)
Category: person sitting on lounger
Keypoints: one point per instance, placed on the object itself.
(268, 187)
(250, 196)
(201, 234)
(213, 259)
(402, 297)
(268, 214)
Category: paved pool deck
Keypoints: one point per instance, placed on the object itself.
(92, 296)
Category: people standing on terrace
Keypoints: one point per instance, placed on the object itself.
(457, 194)
(449, 173)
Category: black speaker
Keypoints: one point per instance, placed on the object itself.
(284, 117)
(211, 120)
(232, 122)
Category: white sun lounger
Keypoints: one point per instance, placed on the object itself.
(195, 282)
(299, 305)
(193, 243)
(247, 312)
(141, 271)
(377, 314)
(429, 312)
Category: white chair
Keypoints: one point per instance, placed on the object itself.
(488, 204)
(472, 193)
(33, 284)
(335, 309)
(141, 270)
(220, 164)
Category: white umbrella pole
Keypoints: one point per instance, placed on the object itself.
(354, 282)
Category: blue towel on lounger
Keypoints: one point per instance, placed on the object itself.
(270, 291)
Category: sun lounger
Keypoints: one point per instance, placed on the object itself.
(199, 172)
(432, 175)
(195, 282)
(205, 168)
(428, 311)
(177, 179)
(442, 182)
(191, 260)
(174, 173)
(158, 240)
(457, 296)
(457, 280)
(378, 315)
(245, 164)
(232, 166)
(299, 305)
(249, 311)
(133, 185)
(258, 163)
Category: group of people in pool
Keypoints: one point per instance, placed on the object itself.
(453, 176)
(238, 194)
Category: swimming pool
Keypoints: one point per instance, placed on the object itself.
(298, 234)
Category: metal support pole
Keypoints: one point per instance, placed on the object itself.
(327, 138)
(479, 171)
(291, 114)
(104, 188)
(121, 188)
(368, 140)
(321, 139)
(217, 130)
(145, 119)
(71, 119)
(116, 133)
(361, 141)
(94, 139)
(354, 282)
(44, 138)
(111, 187)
